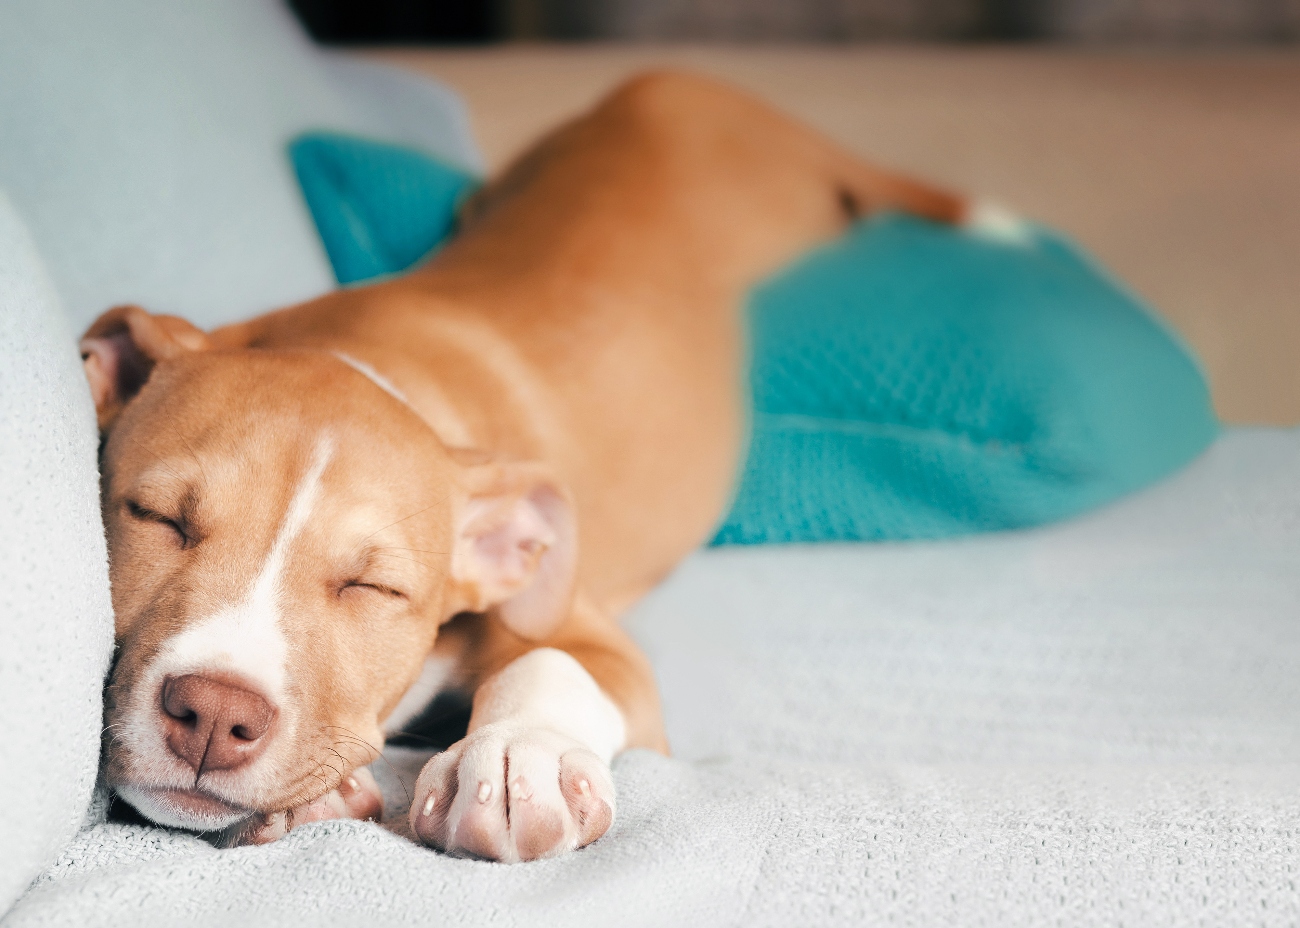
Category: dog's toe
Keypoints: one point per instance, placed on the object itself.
(589, 793)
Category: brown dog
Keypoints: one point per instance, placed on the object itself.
(524, 435)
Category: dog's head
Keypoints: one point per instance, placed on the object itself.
(286, 535)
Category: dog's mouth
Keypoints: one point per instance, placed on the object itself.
(191, 809)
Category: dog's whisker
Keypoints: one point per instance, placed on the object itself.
(378, 755)
(405, 518)
(397, 776)
(403, 557)
(371, 756)
(351, 734)
(417, 550)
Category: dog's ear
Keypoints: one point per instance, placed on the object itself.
(516, 547)
(122, 346)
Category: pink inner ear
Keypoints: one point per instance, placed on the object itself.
(509, 553)
(115, 367)
(518, 554)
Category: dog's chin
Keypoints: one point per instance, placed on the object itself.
(191, 809)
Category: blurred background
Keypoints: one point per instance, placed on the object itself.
(1161, 135)
(1164, 135)
(1128, 21)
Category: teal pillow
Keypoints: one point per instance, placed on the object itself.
(379, 208)
(918, 381)
(909, 380)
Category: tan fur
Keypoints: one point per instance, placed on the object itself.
(584, 322)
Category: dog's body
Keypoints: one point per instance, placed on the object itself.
(525, 435)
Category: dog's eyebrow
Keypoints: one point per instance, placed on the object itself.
(372, 556)
(187, 505)
(168, 491)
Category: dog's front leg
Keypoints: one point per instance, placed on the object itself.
(531, 778)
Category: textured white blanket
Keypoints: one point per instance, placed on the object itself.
(1096, 723)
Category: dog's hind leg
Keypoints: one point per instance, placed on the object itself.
(863, 188)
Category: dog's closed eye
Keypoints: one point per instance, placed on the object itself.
(183, 535)
(363, 586)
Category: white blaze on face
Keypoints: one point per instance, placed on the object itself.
(247, 637)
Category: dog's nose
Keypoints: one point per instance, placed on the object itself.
(214, 724)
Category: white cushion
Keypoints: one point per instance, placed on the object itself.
(1092, 723)
(143, 141)
(56, 621)
(144, 144)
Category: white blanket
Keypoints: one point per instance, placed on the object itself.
(1096, 723)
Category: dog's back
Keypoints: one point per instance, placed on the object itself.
(514, 441)
(604, 271)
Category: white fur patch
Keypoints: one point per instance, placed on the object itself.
(548, 688)
(435, 409)
(994, 222)
(532, 775)
(378, 379)
(246, 637)
(157, 809)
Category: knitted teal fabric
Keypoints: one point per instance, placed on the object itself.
(916, 381)
(909, 380)
(379, 208)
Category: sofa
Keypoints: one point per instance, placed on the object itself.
(1090, 723)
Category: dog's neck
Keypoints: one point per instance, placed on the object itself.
(435, 410)
(464, 376)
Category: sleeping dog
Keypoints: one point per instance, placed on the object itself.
(456, 479)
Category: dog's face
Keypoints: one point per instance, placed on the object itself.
(285, 539)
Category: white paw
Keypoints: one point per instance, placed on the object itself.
(513, 793)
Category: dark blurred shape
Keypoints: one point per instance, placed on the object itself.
(442, 723)
(1174, 22)
(1152, 21)
(1106, 21)
(747, 20)
(379, 21)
